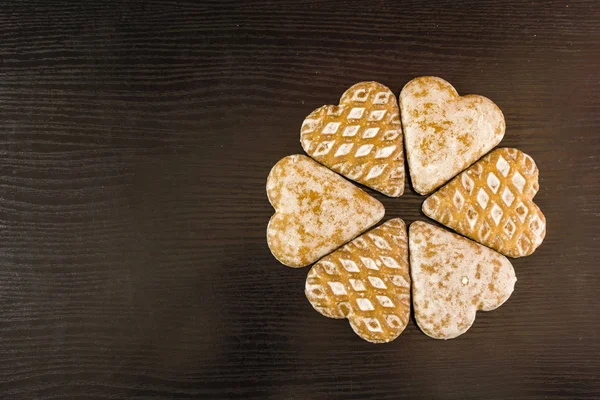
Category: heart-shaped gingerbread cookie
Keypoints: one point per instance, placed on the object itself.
(366, 281)
(316, 211)
(443, 132)
(452, 278)
(492, 203)
(361, 138)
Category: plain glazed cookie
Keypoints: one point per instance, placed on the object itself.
(316, 211)
(452, 278)
(444, 133)
(361, 138)
(492, 203)
(366, 281)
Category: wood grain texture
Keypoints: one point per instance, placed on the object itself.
(135, 142)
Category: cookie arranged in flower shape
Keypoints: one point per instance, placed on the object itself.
(316, 211)
(443, 132)
(366, 281)
(452, 278)
(361, 138)
(370, 279)
(492, 203)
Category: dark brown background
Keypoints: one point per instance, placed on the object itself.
(135, 143)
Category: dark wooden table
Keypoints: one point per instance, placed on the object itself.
(135, 143)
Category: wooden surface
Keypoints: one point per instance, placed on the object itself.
(136, 139)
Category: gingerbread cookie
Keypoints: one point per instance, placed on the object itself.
(443, 132)
(361, 138)
(366, 281)
(316, 211)
(452, 278)
(492, 203)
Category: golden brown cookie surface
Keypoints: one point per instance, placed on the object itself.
(492, 203)
(366, 281)
(316, 211)
(443, 132)
(361, 138)
(452, 278)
